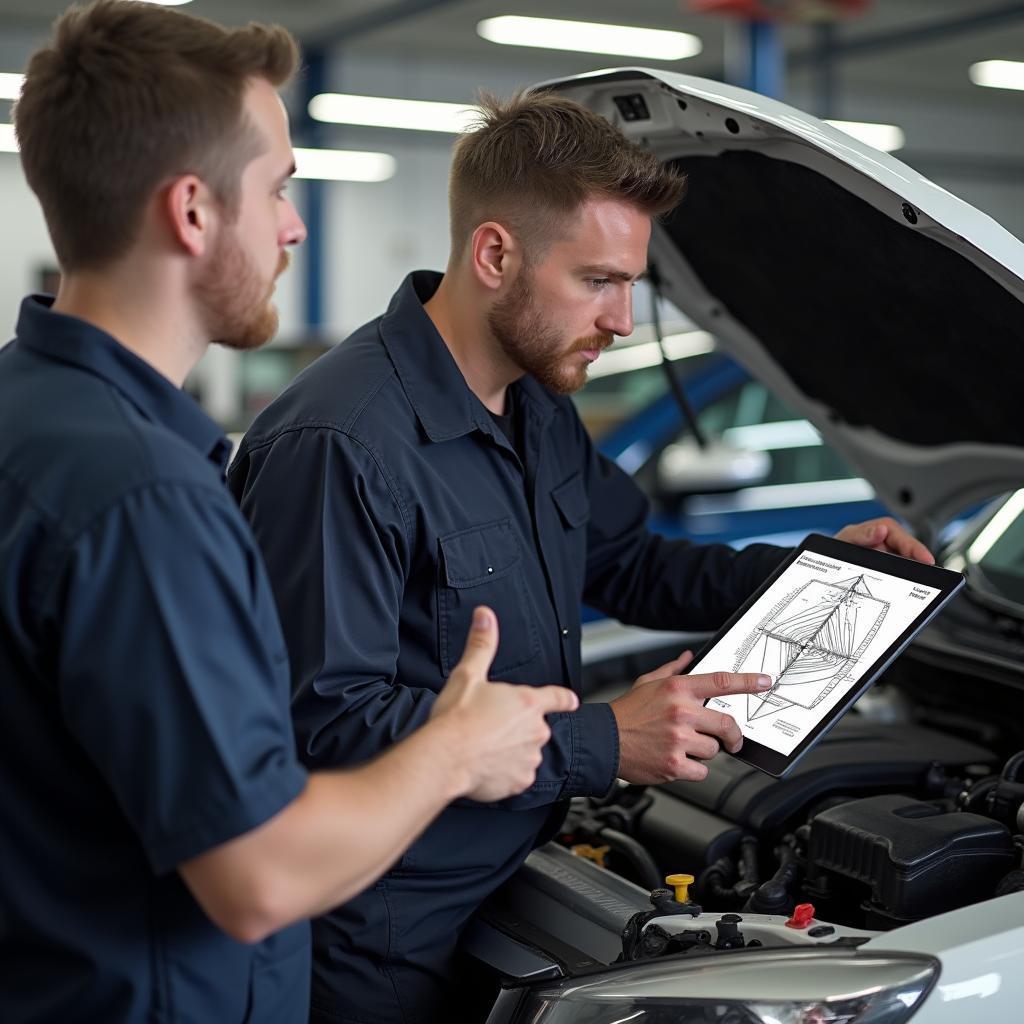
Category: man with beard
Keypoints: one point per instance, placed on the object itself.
(161, 842)
(432, 461)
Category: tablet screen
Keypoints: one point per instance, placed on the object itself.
(816, 631)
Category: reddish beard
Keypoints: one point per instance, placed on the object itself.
(538, 348)
(235, 301)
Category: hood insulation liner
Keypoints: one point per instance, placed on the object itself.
(887, 327)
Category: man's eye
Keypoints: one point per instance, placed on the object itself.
(280, 193)
(598, 282)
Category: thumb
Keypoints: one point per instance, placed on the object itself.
(481, 644)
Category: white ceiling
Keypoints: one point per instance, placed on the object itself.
(928, 72)
(447, 28)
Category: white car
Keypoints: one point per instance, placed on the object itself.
(881, 881)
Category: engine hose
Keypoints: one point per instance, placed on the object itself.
(748, 859)
(715, 885)
(1012, 768)
(775, 895)
(639, 859)
(976, 794)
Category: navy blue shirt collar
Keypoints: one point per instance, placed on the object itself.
(438, 393)
(71, 340)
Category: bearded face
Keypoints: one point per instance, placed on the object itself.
(530, 337)
(235, 298)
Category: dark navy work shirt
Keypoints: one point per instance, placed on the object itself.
(143, 695)
(388, 504)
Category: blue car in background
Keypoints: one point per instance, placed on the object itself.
(764, 476)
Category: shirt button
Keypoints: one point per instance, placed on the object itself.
(565, 632)
(490, 568)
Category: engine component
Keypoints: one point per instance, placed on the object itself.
(601, 830)
(1006, 797)
(775, 896)
(719, 885)
(697, 823)
(803, 916)
(912, 856)
(729, 934)
(635, 945)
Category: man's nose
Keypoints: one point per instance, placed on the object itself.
(617, 317)
(293, 229)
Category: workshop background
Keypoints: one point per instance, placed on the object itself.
(916, 66)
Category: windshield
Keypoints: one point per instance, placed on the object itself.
(998, 552)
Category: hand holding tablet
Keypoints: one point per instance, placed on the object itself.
(823, 628)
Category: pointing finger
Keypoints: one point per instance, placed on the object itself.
(718, 684)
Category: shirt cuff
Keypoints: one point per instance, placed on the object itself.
(595, 751)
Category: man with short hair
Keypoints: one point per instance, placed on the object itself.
(161, 842)
(432, 461)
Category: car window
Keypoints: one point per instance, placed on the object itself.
(998, 551)
(752, 418)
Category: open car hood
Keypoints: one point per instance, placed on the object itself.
(880, 306)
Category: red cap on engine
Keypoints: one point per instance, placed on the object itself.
(803, 915)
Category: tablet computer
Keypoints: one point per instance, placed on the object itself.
(823, 627)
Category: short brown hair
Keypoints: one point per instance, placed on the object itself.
(534, 159)
(126, 95)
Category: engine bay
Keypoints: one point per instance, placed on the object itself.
(880, 826)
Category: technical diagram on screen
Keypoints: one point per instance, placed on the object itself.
(810, 642)
(822, 629)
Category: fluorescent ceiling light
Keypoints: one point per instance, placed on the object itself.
(998, 74)
(343, 165)
(10, 85)
(325, 164)
(886, 137)
(589, 37)
(383, 112)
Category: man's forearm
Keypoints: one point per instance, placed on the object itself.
(349, 826)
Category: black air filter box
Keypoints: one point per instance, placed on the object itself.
(917, 859)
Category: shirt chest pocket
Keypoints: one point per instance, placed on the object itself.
(483, 565)
(573, 508)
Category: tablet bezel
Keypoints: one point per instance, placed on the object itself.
(946, 581)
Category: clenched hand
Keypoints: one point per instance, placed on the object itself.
(501, 726)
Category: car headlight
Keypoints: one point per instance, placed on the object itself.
(769, 987)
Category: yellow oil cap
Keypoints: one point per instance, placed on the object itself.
(681, 884)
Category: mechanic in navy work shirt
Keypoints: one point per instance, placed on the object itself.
(433, 461)
(161, 843)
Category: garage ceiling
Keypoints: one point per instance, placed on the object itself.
(446, 29)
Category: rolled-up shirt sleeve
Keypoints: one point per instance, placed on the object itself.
(172, 670)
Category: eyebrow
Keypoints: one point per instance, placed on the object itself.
(617, 275)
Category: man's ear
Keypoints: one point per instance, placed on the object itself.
(495, 255)
(189, 211)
